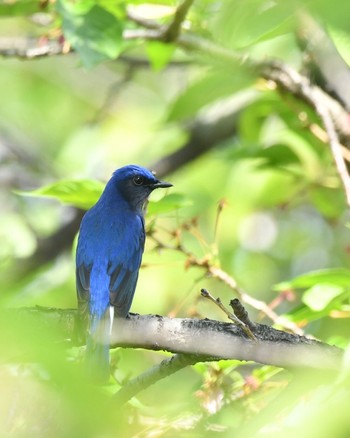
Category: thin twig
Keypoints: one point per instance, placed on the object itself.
(248, 299)
(173, 31)
(336, 147)
(234, 318)
(223, 276)
(327, 109)
(320, 133)
(167, 367)
(221, 205)
(154, 30)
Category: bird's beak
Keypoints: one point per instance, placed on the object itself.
(161, 185)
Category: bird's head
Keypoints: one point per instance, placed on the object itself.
(135, 184)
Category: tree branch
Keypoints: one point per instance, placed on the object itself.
(200, 337)
(231, 316)
(216, 272)
(335, 145)
(332, 114)
(191, 341)
(223, 276)
(284, 76)
(289, 80)
(324, 63)
(31, 48)
(152, 30)
(167, 34)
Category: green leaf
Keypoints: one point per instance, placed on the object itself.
(169, 203)
(19, 8)
(304, 314)
(159, 54)
(337, 277)
(242, 23)
(116, 7)
(328, 201)
(80, 193)
(93, 32)
(318, 297)
(78, 7)
(278, 155)
(341, 40)
(327, 12)
(211, 87)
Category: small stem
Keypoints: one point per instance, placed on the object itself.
(173, 31)
(164, 369)
(223, 276)
(256, 304)
(206, 294)
(336, 147)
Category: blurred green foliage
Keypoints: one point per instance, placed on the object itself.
(67, 122)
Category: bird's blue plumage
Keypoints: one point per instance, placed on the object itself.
(108, 258)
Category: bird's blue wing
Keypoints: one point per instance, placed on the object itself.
(122, 289)
(123, 272)
(82, 273)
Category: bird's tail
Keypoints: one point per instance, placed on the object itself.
(97, 347)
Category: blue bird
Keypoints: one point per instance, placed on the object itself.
(108, 258)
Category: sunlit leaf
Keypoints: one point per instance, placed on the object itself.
(303, 314)
(239, 24)
(341, 39)
(266, 372)
(78, 7)
(319, 296)
(279, 155)
(80, 193)
(116, 8)
(159, 53)
(329, 201)
(93, 32)
(169, 203)
(21, 7)
(337, 277)
(325, 10)
(207, 90)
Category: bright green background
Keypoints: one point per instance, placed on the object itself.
(76, 118)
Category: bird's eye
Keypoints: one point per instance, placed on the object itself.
(138, 180)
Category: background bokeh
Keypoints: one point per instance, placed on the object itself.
(284, 214)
